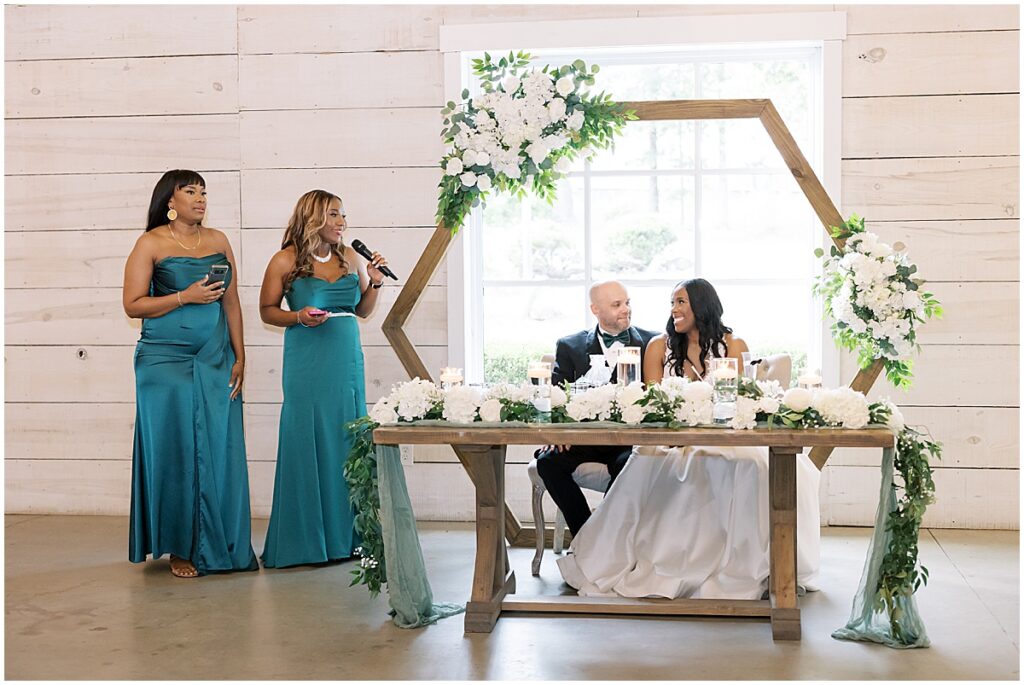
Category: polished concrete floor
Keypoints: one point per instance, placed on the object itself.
(76, 609)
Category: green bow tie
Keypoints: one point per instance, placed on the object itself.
(610, 339)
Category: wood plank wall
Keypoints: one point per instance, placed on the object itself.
(269, 101)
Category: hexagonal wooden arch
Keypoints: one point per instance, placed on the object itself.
(762, 110)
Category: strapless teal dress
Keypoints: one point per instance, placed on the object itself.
(322, 376)
(190, 483)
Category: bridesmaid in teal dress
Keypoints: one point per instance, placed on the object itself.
(190, 484)
(327, 285)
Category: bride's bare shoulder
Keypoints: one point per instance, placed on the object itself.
(657, 342)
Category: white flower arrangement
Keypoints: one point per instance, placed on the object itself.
(875, 302)
(676, 402)
(522, 132)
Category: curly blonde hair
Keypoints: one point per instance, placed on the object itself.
(308, 218)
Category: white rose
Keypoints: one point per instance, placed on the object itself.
(482, 158)
(633, 414)
(697, 392)
(558, 396)
(556, 110)
(469, 158)
(468, 179)
(896, 420)
(490, 411)
(565, 85)
(510, 84)
(454, 167)
(575, 121)
(483, 182)
(769, 405)
(797, 399)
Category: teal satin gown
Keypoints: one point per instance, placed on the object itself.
(190, 483)
(312, 520)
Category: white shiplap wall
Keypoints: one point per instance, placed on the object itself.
(270, 101)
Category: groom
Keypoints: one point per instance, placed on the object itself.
(609, 302)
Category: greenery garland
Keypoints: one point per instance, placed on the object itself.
(361, 474)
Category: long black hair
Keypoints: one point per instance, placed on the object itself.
(707, 312)
(165, 187)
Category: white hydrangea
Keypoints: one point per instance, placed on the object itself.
(842, 406)
(413, 399)
(633, 414)
(630, 394)
(746, 414)
(461, 404)
(384, 412)
(698, 391)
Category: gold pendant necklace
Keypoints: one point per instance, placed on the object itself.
(199, 232)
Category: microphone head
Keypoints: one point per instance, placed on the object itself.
(361, 248)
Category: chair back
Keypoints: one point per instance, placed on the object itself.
(549, 358)
(776, 367)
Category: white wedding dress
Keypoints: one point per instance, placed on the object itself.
(690, 522)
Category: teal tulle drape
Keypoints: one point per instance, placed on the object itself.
(409, 593)
(869, 621)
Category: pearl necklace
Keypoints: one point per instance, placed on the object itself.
(322, 260)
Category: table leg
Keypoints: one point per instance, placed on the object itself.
(492, 579)
(782, 520)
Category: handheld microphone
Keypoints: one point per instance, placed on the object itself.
(359, 247)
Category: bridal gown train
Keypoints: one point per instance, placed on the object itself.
(690, 522)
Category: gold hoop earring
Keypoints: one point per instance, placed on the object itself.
(171, 215)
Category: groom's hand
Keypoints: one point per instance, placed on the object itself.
(557, 448)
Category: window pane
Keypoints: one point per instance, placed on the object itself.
(525, 322)
(786, 82)
(737, 143)
(651, 305)
(642, 227)
(755, 226)
(647, 145)
(647, 81)
(771, 319)
(529, 239)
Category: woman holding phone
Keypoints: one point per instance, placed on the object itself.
(326, 285)
(190, 484)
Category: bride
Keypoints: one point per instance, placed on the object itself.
(690, 521)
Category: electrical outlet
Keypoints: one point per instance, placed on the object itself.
(405, 451)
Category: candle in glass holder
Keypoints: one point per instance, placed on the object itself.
(724, 376)
(539, 374)
(809, 380)
(627, 365)
(450, 377)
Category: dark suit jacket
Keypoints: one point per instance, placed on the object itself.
(572, 353)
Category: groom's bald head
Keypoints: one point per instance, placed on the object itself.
(610, 303)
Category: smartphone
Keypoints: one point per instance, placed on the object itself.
(218, 272)
(317, 312)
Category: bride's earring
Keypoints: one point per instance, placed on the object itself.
(171, 215)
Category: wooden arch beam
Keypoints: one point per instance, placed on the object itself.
(648, 110)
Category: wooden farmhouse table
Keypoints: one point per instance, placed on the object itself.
(494, 583)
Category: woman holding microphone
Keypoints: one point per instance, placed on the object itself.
(326, 285)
